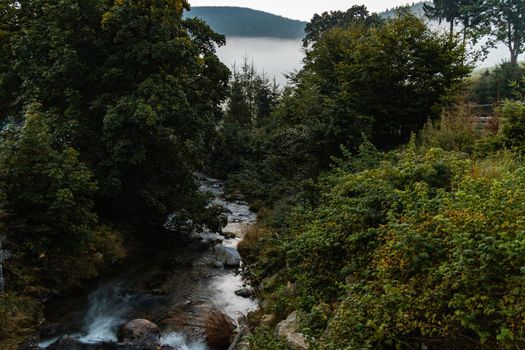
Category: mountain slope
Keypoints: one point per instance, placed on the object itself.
(415, 8)
(245, 22)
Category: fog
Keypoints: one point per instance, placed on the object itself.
(276, 57)
(496, 56)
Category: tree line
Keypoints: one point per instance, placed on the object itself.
(503, 21)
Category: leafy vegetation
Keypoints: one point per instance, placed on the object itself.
(352, 86)
(390, 215)
(421, 248)
(320, 24)
(378, 243)
(492, 87)
(107, 108)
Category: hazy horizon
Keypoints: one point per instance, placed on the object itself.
(277, 57)
(302, 10)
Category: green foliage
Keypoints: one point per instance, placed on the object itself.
(425, 248)
(352, 87)
(8, 81)
(512, 127)
(244, 22)
(453, 11)
(134, 87)
(251, 99)
(494, 86)
(320, 24)
(507, 25)
(50, 220)
(457, 130)
(363, 77)
(49, 193)
(263, 339)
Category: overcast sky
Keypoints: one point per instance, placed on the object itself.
(302, 9)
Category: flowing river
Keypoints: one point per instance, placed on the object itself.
(163, 286)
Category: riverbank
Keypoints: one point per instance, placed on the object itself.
(175, 280)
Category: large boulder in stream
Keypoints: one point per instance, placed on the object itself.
(139, 331)
(204, 322)
(229, 256)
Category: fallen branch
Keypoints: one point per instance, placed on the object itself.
(242, 329)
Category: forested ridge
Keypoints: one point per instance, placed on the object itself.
(245, 22)
(388, 180)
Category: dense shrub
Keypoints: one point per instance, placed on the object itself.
(425, 249)
(457, 130)
(19, 316)
(512, 127)
(50, 220)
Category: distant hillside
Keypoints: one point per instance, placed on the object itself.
(416, 8)
(244, 22)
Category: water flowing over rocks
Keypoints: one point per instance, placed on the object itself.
(173, 296)
(139, 331)
(244, 292)
(204, 322)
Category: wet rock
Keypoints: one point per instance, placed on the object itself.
(268, 320)
(229, 256)
(229, 235)
(244, 292)
(204, 322)
(218, 265)
(68, 343)
(50, 329)
(139, 331)
(288, 330)
(218, 328)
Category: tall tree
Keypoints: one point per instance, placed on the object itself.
(470, 15)
(160, 109)
(448, 10)
(134, 87)
(507, 19)
(395, 74)
(49, 195)
(337, 19)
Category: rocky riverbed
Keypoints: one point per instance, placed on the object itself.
(187, 296)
